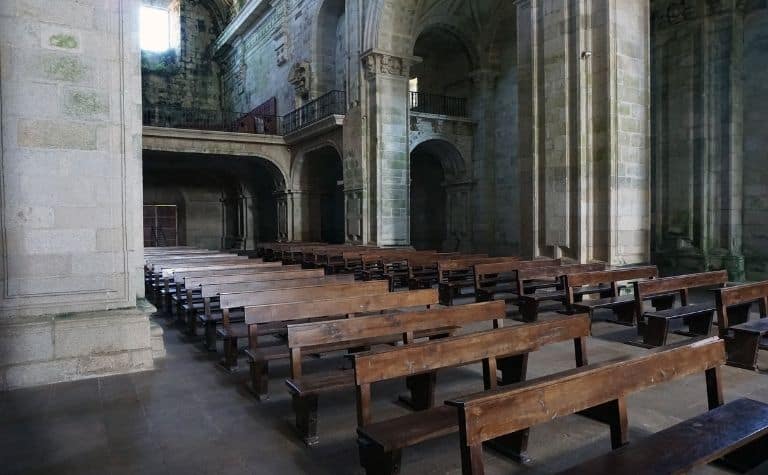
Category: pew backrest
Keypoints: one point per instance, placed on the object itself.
(740, 295)
(228, 300)
(210, 290)
(679, 284)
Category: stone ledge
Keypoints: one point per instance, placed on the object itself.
(51, 349)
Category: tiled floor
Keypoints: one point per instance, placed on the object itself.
(187, 417)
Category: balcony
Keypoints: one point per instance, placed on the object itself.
(212, 120)
(331, 104)
(426, 103)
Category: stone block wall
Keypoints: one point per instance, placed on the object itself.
(70, 201)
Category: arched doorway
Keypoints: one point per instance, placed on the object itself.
(221, 201)
(445, 66)
(321, 182)
(435, 165)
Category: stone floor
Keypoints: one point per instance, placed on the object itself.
(188, 417)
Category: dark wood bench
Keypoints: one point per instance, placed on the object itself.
(543, 284)
(623, 306)
(654, 325)
(735, 434)
(500, 279)
(363, 332)
(202, 310)
(381, 443)
(423, 270)
(231, 332)
(343, 307)
(456, 275)
(744, 338)
(597, 391)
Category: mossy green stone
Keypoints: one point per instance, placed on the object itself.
(63, 41)
(64, 68)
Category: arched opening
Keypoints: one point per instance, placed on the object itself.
(321, 179)
(331, 47)
(434, 165)
(220, 202)
(445, 67)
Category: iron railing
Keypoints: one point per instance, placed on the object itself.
(222, 121)
(437, 104)
(331, 103)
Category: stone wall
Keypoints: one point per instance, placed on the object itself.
(70, 203)
(187, 75)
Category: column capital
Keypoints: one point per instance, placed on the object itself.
(378, 62)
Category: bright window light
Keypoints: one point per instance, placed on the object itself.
(155, 29)
(413, 85)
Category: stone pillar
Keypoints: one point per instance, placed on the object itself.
(71, 253)
(389, 174)
(583, 128)
(458, 206)
(483, 162)
(353, 213)
(698, 146)
(284, 203)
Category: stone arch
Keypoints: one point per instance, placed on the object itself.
(329, 65)
(318, 194)
(452, 159)
(448, 24)
(300, 160)
(438, 196)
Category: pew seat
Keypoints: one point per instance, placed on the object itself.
(408, 430)
(699, 318)
(738, 428)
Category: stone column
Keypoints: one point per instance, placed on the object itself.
(583, 124)
(389, 174)
(483, 162)
(698, 144)
(458, 207)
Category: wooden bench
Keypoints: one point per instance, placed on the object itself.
(392, 266)
(456, 275)
(744, 338)
(231, 332)
(654, 325)
(541, 284)
(363, 332)
(423, 270)
(210, 288)
(258, 316)
(380, 443)
(500, 279)
(735, 433)
(623, 306)
(598, 391)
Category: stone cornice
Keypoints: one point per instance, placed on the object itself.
(378, 62)
(246, 17)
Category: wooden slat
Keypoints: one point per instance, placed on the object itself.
(231, 269)
(240, 286)
(301, 294)
(460, 350)
(502, 411)
(212, 290)
(319, 333)
(688, 281)
(615, 275)
(340, 306)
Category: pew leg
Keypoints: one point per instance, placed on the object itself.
(472, 460)
(210, 335)
(580, 350)
(375, 460)
(656, 330)
(305, 408)
(625, 315)
(664, 302)
(742, 349)
(422, 388)
(229, 362)
(260, 379)
(714, 387)
(513, 446)
(191, 323)
(701, 324)
(529, 310)
(513, 369)
(613, 413)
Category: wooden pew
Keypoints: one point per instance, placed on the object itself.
(501, 278)
(458, 274)
(548, 278)
(210, 288)
(258, 316)
(353, 333)
(229, 301)
(735, 433)
(381, 443)
(391, 266)
(744, 338)
(423, 271)
(623, 306)
(598, 391)
(654, 325)
(332, 259)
